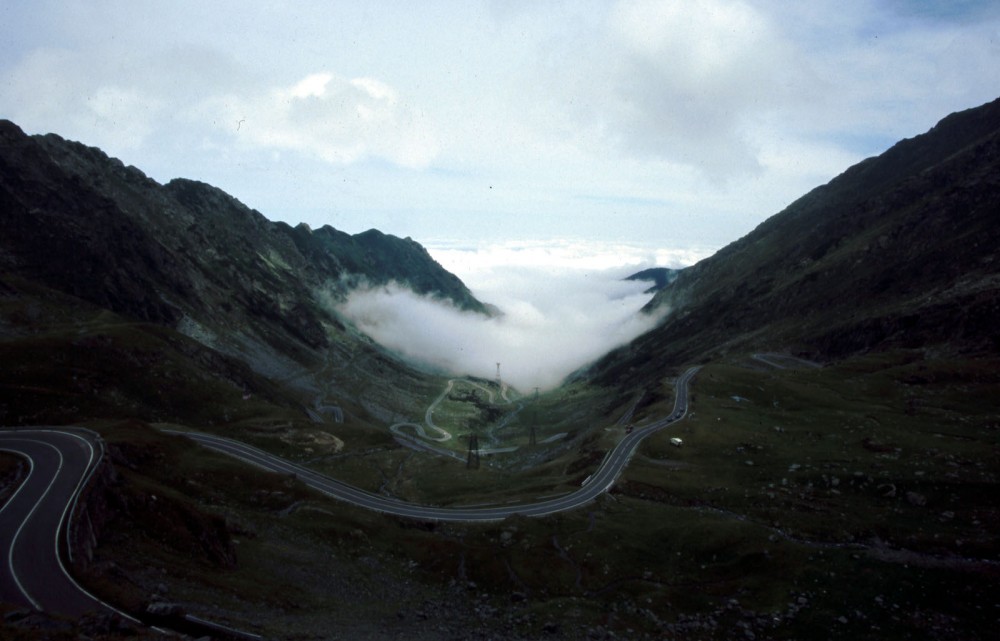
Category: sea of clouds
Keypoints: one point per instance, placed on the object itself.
(563, 305)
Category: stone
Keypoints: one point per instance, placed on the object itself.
(163, 609)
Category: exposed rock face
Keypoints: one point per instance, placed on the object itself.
(186, 254)
(113, 508)
(378, 258)
(73, 238)
(898, 251)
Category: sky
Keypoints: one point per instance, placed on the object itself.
(661, 125)
(539, 150)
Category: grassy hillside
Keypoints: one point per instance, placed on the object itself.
(898, 251)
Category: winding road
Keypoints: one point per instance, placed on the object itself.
(36, 521)
(397, 428)
(598, 483)
(428, 418)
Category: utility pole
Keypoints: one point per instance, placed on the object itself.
(532, 440)
(499, 386)
(536, 393)
(473, 462)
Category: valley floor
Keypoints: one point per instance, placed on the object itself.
(855, 500)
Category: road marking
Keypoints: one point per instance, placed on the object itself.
(13, 542)
(10, 550)
(84, 478)
(68, 509)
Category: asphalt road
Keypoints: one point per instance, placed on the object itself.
(36, 525)
(598, 483)
(35, 520)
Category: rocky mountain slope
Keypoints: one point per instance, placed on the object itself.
(660, 277)
(898, 251)
(122, 297)
(187, 255)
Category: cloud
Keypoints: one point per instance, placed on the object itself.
(679, 81)
(681, 121)
(143, 107)
(122, 98)
(488, 267)
(717, 84)
(336, 119)
(50, 87)
(555, 321)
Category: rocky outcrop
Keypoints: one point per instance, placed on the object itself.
(73, 238)
(86, 225)
(113, 507)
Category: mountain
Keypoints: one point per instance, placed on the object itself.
(187, 253)
(659, 276)
(898, 251)
(195, 275)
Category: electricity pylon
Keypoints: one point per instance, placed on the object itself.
(473, 462)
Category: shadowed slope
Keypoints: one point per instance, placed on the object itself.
(899, 250)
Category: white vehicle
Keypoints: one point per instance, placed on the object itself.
(676, 442)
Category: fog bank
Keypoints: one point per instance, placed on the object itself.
(556, 319)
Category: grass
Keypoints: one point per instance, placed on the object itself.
(868, 489)
(804, 447)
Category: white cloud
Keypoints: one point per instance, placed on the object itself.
(545, 334)
(56, 90)
(717, 84)
(485, 267)
(338, 120)
(677, 81)
(564, 306)
(707, 47)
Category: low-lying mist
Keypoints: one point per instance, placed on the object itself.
(554, 321)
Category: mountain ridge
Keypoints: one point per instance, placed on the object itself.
(659, 276)
(188, 254)
(898, 250)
